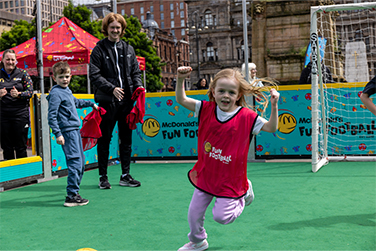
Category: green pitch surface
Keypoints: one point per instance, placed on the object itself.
(294, 209)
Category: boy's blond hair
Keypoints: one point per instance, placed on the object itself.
(245, 88)
(61, 67)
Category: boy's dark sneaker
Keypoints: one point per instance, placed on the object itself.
(77, 200)
(128, 181)
(103, 183)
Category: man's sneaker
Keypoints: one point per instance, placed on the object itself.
(103, 183)
(77, 200)
(203, 245)
(249, 196)
(128, 181)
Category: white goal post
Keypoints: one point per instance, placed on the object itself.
(342, 128)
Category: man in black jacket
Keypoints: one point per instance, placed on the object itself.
(305, 77)
(115, 75)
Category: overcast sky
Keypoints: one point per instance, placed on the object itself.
(82, 2)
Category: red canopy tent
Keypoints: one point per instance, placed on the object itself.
(63, 41)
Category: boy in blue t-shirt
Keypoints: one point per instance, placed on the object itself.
(65, 125)
(369, 90)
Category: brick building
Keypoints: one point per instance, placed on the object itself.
(170, 15)
(51, 10)
(7, 20)
(172, 52)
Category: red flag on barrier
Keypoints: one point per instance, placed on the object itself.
(141, 63)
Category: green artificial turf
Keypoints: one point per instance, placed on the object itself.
(294, 209)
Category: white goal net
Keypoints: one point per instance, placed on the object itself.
(343, 46)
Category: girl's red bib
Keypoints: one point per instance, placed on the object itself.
(221, 169)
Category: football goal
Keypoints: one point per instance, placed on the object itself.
(343, 60)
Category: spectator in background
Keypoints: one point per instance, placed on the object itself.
(305, 77)
(115, 74)
(252, 75)
(65, 125)
(369, 90)
(16, 88)
(169, 87)
(202, 84)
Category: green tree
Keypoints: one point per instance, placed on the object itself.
(144, 48)
(20, 32)
(78, 84)
(80, 15)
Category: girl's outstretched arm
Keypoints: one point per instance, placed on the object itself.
(272, 124)
(181, 98)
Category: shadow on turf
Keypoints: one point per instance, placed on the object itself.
(367, 220)
(55, 200)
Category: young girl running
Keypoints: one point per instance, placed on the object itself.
(225, 131)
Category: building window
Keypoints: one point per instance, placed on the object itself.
(162, 16)
(132, 11)
(6, 5)
(182, 14)
(214, 20)
(142, 10)
(183, 32)
(208, 18)
(22, 2)
(23, 11)
(210, 51)
(11, 4)
(161, 7)
(181, 5)
(162, 25)
(152, 16)
(151, 8)
(172, 15)
(172, 24)
(16, 3)
(1, 5)
(182, 23)
(122, 12)
(142, 18)
(171, 6)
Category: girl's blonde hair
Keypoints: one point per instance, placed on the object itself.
(245, 88)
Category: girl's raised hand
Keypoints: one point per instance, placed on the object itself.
(274, 96)
(184, 71)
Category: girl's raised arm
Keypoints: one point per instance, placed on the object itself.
(272, 124)
(181, 98)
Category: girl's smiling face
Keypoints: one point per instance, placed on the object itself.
(226, 93)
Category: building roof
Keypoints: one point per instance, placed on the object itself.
(149, 23)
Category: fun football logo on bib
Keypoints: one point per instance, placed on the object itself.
(216, 153)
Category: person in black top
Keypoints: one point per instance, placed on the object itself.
(202, 84)
(305, 77)
(369, 90)
(16, 88)
(115, 74)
